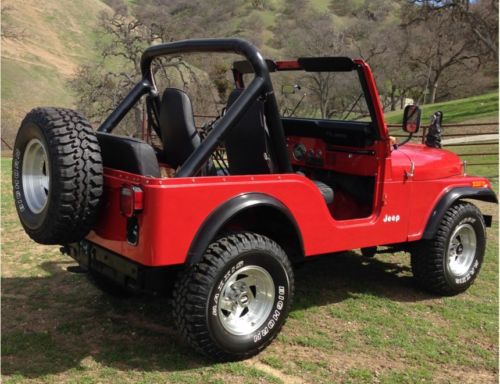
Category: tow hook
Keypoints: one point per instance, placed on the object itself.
(65, 250)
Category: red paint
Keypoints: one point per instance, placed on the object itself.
(289, 64)
(333, 158)
(165, 239)
(173, 209)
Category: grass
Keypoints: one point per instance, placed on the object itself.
(482, 159)
(471, 108)
(354, 320)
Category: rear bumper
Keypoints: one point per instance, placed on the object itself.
(121, 270)
(91, 256)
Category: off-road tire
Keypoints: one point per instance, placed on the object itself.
(430, 258)
(198, 289)
(72, 161)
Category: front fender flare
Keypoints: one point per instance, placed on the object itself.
(450, 197)
(223, 214)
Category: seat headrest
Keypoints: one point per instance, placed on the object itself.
(178, 131)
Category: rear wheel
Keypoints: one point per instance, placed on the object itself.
(450, 262)
(57, 175)
(233, 303)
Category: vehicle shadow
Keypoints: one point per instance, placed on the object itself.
(60, 322)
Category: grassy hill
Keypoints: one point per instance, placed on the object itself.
(57, 36)
(456, 111)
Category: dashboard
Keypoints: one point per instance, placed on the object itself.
(316, 153)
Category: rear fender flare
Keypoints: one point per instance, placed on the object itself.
(447, 200)
(228, 210)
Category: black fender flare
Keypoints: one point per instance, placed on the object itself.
(450, 197)
(229, 209)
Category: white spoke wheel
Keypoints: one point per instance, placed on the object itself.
(449, 262)
(461, 249)
(234, 301)
(36, 175)
(247, 300)
(56, 175)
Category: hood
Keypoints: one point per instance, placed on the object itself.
(432, 163)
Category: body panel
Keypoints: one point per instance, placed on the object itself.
(165, 240)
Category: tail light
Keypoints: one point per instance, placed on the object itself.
(131, 200)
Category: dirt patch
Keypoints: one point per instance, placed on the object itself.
(286, 379)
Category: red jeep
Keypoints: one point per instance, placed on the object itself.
(226, 212)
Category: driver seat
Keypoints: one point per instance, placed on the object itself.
(247, 146)
(178, 131)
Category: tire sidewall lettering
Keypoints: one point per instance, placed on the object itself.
(469, 276)
(26, 133)
(220, 285)
(275, 318)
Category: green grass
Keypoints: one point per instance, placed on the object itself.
(471, 108)
(354, 320)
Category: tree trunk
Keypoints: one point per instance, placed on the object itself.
(433, 92)
(394, 101)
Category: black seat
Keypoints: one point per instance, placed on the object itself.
(178, 132)
(128, 154)
(246, 142)
(325, 190)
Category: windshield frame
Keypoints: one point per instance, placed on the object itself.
(320, 64)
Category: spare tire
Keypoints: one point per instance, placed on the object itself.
(56, 175)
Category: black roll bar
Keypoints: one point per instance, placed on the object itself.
(260, 86)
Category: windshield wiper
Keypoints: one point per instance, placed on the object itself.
(353, 106)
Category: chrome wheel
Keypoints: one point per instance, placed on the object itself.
(461, 249)
(246, 300)
(36, 176)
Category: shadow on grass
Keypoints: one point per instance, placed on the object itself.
(53, 324)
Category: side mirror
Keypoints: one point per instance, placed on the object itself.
(411, 119)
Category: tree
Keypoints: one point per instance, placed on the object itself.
(444, 44)
(306, 32)
(125, 34)
(480, 18)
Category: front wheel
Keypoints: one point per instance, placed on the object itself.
(450, 262)
(233, 303)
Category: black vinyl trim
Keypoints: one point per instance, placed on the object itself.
(244, 67)
(222, 214)
(335, 132)
(128, 154)
(327, 64)
(482, 194)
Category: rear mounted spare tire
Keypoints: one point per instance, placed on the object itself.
(56, 175)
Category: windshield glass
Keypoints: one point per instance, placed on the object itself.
(320, 95)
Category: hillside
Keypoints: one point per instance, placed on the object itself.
(456, 111)
(57, 36)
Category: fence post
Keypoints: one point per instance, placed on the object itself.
(424, 129)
